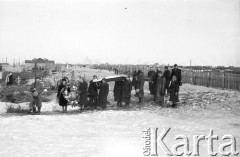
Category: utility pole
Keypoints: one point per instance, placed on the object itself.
(35, 70)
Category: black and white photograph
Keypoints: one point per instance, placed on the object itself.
(119, 78)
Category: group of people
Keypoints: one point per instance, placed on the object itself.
(75, 94)
(82, 95)
(161, 84)
(165, 83)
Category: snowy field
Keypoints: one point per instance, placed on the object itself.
(117, 132)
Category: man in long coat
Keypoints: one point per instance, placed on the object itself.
(174, 91)
(151, 75)
(140, 86)
(155, 82)
(118, 92)
(160, 90)
(127, 89)
(93, 93)
(135, 76)
(167, 76)
(82, 91)
(178, 73)
(103, 93)
(36, 100)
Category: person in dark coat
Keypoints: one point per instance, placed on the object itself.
(36, 99)
(155, 78)
(167, 76)
(127, 89)
(82, 91)
(135, 76)
(160, 90)
(63, 92)
(140, 86)
(103, 93)
(93, 93)
(174, 90)
(118, 92)
(60, 85)
(177, 72)
(151, 75)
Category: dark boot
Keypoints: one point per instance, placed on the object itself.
(39, 110)
(174, 105)
(34, 109)
(65, 109)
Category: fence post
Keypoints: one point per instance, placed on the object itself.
(223, 80)
(208, 80)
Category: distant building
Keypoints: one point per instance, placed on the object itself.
(3, 66)
(41, 64)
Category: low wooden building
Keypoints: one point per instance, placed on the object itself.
(41, 64)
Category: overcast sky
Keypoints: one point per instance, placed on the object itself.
(122, 31)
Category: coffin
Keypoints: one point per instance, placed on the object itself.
(112, 78)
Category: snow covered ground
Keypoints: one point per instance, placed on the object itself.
(118, 131)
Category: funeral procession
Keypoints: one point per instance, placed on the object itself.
(119, 78)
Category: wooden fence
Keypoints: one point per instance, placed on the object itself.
(208, 78)
(212, 79)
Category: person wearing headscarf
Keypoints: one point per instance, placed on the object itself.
(63, 93)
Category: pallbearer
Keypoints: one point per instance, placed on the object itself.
(127, 89)
(93, 93)
(103, 93)
(118, 92)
